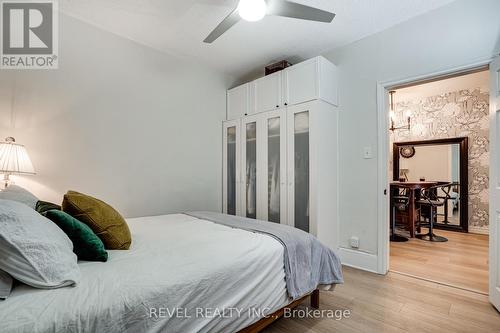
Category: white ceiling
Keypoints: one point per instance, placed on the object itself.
(179, 26)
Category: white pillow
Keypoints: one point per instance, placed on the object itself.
(33, 249)
(5, 285)
(19, 194)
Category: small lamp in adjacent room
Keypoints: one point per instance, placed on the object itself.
(14, 159)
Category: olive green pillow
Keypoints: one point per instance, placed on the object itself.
(103, 219)
(86, 245)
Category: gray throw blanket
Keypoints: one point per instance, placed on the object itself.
(308, 263)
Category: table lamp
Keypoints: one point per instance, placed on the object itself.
(14, 159)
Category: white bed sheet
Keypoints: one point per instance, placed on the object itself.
(175, 263)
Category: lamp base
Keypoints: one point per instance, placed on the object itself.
(6, 180)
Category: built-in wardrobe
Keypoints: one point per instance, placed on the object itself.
(280, 149)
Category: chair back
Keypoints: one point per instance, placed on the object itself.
(437, 194)
(400, 197)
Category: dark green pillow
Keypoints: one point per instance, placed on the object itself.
(43, 206)
(86, 244)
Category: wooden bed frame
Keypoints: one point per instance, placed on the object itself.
(261, 324)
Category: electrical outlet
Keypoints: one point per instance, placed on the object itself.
(354, 241)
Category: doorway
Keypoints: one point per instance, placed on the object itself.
(438, 166)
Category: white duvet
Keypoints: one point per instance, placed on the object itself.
(180, 275)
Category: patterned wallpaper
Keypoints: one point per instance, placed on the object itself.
(454, 114)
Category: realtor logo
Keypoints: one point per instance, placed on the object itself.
(29, 35)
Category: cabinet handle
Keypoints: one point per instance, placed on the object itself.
(286, 104)
(246, 114)
(277, 106)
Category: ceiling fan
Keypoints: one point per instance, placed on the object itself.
(255, 10)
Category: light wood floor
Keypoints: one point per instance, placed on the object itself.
(396, 303)
(461, 262)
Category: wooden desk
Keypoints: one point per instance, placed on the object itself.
(412, 207)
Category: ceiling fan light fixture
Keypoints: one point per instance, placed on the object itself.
(252, 10)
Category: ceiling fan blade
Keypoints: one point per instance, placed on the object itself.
(298, 11)
(224, 26)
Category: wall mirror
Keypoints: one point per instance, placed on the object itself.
(442, 161)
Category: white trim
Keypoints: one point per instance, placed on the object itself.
(383, 181)
(383, 148)
(494, 238)
(358, 259)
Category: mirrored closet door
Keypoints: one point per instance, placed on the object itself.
(231, 167)
(250, 148)
(298, 168)
(274, 164)
(287, 167)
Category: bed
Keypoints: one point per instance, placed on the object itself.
(182, 274)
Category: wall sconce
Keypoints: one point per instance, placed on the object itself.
(392, 115)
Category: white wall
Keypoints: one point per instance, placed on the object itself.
(454, 35)
(133, 126)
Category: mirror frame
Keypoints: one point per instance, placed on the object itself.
(464, 174)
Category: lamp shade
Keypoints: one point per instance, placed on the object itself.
(14, 158)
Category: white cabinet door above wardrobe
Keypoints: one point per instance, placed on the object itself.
(268, 92)
(312, 79)
(238, 101)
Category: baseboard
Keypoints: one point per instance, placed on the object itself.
(477, 230)
(358, 259)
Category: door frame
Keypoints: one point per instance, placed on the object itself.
(494, 267)
(383, 204)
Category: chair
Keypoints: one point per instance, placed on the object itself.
(454, 197)
(400, 200)
(430, 199)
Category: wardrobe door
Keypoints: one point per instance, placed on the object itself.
(298, 167)
(231, 181)
(250, 167)
(274, 163)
